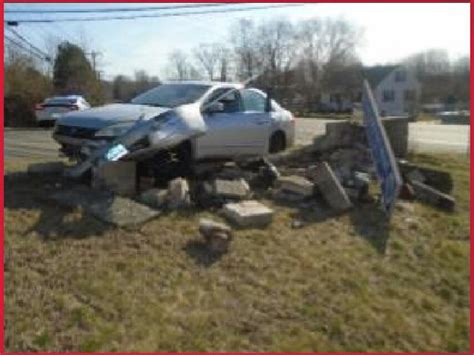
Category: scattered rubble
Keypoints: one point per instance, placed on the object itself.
(338, 167)
(217, 235)
(330, 187)
(248, 214)
(55, 167)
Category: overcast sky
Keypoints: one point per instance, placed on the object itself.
(391, 31)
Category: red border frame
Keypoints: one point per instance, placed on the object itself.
(2, 335)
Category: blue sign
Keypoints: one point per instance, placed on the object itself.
(382, 154)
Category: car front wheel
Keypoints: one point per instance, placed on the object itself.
(277, 142)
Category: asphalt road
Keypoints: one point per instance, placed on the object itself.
(423, 137)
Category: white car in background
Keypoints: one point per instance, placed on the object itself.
(53, 108)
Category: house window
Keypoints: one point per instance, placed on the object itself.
(388, 96)
(400, 75)
(410, 95)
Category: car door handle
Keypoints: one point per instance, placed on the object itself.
(261, 122)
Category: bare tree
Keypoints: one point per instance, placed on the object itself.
(180, 68)
(243, 39)
(207, 55)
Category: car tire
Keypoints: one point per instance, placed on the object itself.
(277, 142)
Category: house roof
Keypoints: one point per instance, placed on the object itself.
(377, 73)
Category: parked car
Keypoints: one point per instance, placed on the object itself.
(52, 108)
(232, 121)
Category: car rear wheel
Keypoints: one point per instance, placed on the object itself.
(277, 142)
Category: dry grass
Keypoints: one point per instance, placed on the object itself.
(347, 283)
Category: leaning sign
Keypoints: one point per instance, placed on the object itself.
(382, 154)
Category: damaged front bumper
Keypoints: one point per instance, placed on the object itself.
(164, 131)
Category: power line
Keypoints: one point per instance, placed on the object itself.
(132, 17)
(19, 36)
(19, 45)
(120, 9)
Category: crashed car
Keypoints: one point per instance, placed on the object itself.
(200, 120)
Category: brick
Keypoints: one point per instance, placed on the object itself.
(248, 214)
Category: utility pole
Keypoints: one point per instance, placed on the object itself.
(94, 55)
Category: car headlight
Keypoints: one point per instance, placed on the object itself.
(114, 130)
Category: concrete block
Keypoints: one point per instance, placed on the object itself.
(238, 189)
(55, 167)
(156, 198)
(433, 197)
(178, 193)
(118, 177)
(248, 214)
(103, 205)
(396, 129)
(330, 187)
(296, 184)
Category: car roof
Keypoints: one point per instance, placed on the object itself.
(65, 97)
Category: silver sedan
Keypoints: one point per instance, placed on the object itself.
(233, 122)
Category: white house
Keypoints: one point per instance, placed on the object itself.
(396, 89)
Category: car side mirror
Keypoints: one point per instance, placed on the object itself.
(215, 108)
(268, 101)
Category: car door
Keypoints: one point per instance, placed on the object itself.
(254, 104)
(231, 132)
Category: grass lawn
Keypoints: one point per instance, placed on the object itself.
(346, 283)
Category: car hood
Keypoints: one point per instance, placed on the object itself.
(104, 116)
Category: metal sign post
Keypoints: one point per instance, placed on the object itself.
(382, 154)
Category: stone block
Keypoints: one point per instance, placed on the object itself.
(433, 197)
(296, 184)
(178, 193)
(248, 214)
(237, 189)
(330, 187)
(118, 177)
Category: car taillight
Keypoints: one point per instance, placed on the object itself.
(74, 107)
(39, 107)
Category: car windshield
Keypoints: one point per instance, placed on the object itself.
(171, 95)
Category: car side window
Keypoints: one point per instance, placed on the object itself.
(253, 101)
(232, 102)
